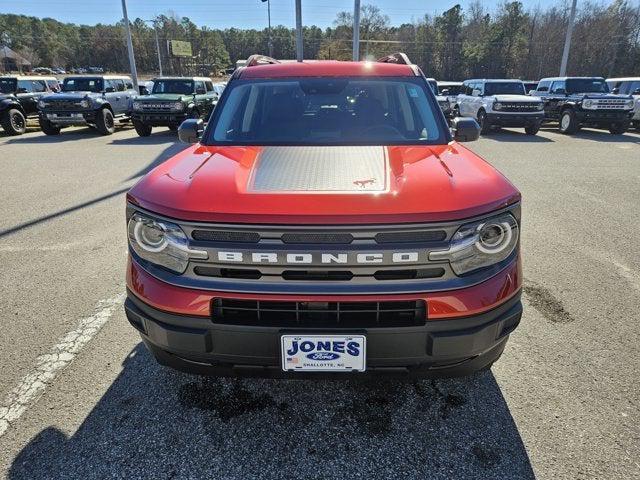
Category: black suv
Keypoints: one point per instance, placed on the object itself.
(575, 102)
(97, 101)
(172, 100)
(19, 97)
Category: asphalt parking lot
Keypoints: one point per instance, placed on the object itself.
(81, 398)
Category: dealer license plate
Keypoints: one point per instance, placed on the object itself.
(324, 353)
(64, 116)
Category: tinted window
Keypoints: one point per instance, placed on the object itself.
(119, 84)
(82, 84)
(327, 111)
(209, 86)
(587, 85)
(544, 86)
(8, 85)
(629, 88)
(200, 86)
(558, 86)
(38, 86)
(504, 88)
(25, 85)
(183, 87)
(453, 89)
(53, 85)
(128, 84)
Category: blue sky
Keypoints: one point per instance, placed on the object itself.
(231, 13)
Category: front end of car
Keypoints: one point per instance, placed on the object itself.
(515, 111)
(602, 110)
(429, 299)
(161, 110)
(64, 109)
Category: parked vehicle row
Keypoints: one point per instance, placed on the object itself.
(570, 102)
(103, 102)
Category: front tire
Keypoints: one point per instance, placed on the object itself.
(568, 122)
(531, 129)
(618, 128)
(48, 128)
(142, 129)
(485, 125)
(13, 122)
(105, 123)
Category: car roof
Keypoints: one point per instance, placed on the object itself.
(327, 68)
(181, 78)
(623, 79)
(493, 80)
(30, 77)
(566, 78)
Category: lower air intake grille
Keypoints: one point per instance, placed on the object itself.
(319, 314)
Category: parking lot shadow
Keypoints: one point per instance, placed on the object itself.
(157, 137)
(64, 136)
(156, 423)
(504, 135)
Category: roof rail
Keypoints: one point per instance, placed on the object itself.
(255, 60)
(397, 57)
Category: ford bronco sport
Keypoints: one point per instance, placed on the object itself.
(172, 100)
(576, 102)
(325, 221)
(100, 102)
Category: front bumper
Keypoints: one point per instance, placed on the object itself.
(70, 118)
(515, 119)
(439, 348)
(160, 119)
(595, 117)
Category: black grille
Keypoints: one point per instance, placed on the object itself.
(519, 107)
(332, 238)
(319, 314)
(225, 236)
(63, 105)
(420, 236)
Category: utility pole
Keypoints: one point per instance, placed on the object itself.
(299, 52)
(132, 58)
(268, 2)
(567, 40)
(155, 28)
(356, 30)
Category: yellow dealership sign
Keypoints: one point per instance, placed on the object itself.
(178, 48)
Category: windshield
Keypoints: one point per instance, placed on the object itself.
(327, 111)
(82, 84)
(587, 85)
(183, 87)
(504, 88)
(8, 85)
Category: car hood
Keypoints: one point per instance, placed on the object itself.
(605, 96)
(516, 98)
(71, 96)
(163, 97)
(307, 185)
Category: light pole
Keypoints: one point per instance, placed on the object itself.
(567, 40)
(155, 29)
(132, 58)
(299, 51)
(269, 26)
(356, 30)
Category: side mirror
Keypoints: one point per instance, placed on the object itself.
(636, 92)
(445, 91)
(615, 91)
(109, 90)
(21, 90)
(465, 129)
(191, 130)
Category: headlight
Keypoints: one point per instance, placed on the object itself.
(137, 106)
(177, 106)
(628, 104)
(161, 243)
(42, 104)
(497, 106)
(480, 244)
(540, 106)
(587, 104)
(84, 103)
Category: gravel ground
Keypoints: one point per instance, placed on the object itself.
(562, 403)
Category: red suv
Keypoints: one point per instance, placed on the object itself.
(325, 221)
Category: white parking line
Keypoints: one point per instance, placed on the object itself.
(33, 385)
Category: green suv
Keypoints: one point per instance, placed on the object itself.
(172, 100)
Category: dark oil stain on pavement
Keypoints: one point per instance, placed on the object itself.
(546, 303)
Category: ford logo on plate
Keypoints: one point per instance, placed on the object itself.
(322, 356)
